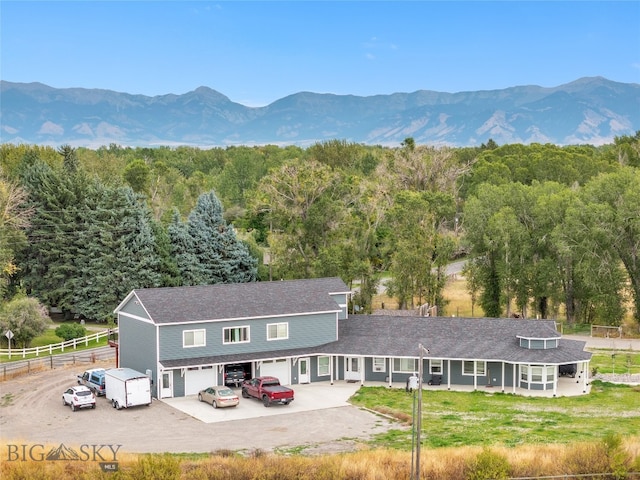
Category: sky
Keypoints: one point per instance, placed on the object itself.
(256, 52)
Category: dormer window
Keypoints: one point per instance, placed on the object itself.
(538, 343)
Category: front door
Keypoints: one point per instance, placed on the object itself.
(166, 388)
(352, 367)
(303, 371)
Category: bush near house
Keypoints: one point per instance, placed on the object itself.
(69, 331)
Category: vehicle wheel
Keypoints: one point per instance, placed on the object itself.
(265, 401)
(214, 404)
(244, 393)
(64, 404)
(113, 403)
(286, 403)
(73, 407)
(199, 397)
(117, 406)
(93, 406)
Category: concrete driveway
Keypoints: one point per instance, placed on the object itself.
(314, 396)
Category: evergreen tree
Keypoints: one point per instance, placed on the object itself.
(119, 253)
(206, 248)
(48, 262)
(182, 249)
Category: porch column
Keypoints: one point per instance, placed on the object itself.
(515, 367)
(331, 368)
(449, 374)
(390, 372)
(585, 369)
(502, 375)
(555, 380)
(362, 369)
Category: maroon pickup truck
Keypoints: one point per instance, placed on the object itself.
(267, 389)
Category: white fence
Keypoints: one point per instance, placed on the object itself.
(57, 347)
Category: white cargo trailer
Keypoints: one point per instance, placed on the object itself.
(126, 388)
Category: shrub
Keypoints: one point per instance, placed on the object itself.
(69, 331)
(487, 465)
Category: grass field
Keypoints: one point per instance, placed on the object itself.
(453, 419)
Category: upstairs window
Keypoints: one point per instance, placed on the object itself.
(538, 343)
(235, 335)
(277, 331)
(193, 338)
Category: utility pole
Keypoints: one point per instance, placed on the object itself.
(416, 475)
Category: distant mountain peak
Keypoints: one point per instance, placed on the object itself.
(587, 110)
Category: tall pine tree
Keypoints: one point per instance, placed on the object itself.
(207, 249)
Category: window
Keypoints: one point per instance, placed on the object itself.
(193, 338)
(436, 366)
(235, 335)
(474, 368)
(323, 366)
(537, 373)
(277, 331)
(539, 343)
(379, 365)
(405, 365)
(536, 344)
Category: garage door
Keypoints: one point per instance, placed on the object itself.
(277, 368)
(198, 379)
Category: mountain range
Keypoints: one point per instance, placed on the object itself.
(591, 110)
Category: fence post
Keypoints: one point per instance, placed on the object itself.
(51, 361)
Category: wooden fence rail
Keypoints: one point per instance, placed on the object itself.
(57, 347)
(17, 368)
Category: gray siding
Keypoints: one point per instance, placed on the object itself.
(304, 331)
(133, 307)
(341, 300)
(137, 346)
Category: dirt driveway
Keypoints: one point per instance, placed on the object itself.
(31, 412)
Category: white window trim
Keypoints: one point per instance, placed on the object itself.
(236, 328)
(286, 324)
(413, 370)
(376, 364)
(328, 366)
(435, 366)
(476, 370)
(195, 345)
(547, 375)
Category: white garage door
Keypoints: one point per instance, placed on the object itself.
(196, 380)
(277, 368)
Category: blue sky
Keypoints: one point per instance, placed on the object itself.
(258, 52)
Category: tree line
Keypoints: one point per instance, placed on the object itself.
(547, 229)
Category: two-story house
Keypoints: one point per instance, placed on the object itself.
(300, 332)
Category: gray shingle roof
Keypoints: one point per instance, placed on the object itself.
(453, 337)
(445, 337)
(240, 300)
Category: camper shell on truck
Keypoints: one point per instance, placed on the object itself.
(126, 388)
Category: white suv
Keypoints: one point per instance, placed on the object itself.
(79, 397)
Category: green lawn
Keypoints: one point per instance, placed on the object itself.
(622, 361)
(452, 419)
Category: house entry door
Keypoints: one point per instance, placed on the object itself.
(352, 368)
(303, 371)
(166, 389)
